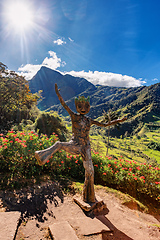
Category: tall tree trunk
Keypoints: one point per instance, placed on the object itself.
(108, 140)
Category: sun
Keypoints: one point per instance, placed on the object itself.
(19, 16)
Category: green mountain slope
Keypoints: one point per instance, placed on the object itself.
(45, 80)
(141, 105)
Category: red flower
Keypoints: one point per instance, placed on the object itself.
(104, 173)
(47, 161)
(23, 145)
(157, 182)
(135, 178)
(11, 131)
(142, 177)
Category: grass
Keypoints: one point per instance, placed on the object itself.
(18, 166)
(125, 199)
(132, 148)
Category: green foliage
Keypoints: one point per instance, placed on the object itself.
(47, 123)
(154, 145)
(108, 117)
(18, 166)
(131, 147)
(141, 181)
(15, 97)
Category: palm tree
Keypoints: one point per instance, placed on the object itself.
(108, 117)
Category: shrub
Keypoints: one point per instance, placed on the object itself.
(18, 166)
(47, 123)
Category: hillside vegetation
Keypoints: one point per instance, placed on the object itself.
(132, 162)
(143, 148)
(17, 103)
(141, 105)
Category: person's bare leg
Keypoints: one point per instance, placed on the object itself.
(43, 156)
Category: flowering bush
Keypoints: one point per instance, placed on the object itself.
(17, 161)
(18, 165)
(142, 181)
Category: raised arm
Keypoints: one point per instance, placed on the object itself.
(109, 123)
(62, 101)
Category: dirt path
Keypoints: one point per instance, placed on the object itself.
(44, 205)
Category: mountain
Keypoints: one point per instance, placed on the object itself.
(141, 104)
(45, 80)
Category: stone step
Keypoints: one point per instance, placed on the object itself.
(62, 230)
(87, 226)
(8, 224)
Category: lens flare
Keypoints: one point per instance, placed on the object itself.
(19, 16)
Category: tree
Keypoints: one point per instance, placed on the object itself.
(47, 123)
(15, 98)
(108, 117)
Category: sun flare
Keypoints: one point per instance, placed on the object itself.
(19, 16)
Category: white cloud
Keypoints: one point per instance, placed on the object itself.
(155, 79)
(71, 40)
(101, 78)
(108, 79)
(29, 70)
(53, 62)
(59, 42)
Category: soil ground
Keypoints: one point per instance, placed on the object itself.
(43, 205)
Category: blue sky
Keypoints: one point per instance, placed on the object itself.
(109, 42)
